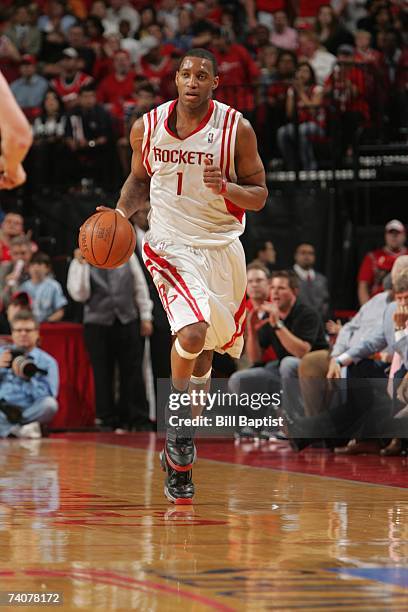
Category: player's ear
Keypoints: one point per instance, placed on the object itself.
(176, 78)
(215, 82)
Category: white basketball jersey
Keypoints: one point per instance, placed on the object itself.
(183, 210)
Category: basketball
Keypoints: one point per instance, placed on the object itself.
(107, 239)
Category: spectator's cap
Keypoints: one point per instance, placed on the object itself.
(28, 59)
(21, 298)
(147, 44)
(345, 50)
(70, 52)
(395, 226)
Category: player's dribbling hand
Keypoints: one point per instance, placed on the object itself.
(212, 177)
(10, 179)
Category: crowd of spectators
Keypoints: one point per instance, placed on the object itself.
(305, 73)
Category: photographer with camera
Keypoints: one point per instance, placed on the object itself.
(29, 381)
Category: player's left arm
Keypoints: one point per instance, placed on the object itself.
(250, 191)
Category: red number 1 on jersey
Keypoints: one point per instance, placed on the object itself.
(179, 182)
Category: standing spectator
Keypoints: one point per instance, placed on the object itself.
(30, 400)
(265, 255)
(313, 286)
(12, 226)
(160, 340)
(48, 299)
(48, 150)
(89, 136)
(113, 326)
(321, 60)
(238, 73)
(29, 90)
(118, 86)
(25, 36)
(304, 110)
(378, 263)
(283, 36)
(71, 79)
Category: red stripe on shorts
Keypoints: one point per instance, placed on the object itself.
(237, 317)
(178, 278)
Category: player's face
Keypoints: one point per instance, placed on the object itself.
(195, 82)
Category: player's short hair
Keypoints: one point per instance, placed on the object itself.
(291, 277)
(204, 54)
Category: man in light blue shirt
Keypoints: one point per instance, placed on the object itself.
(29, 90)
(48, 299)
(28, 391)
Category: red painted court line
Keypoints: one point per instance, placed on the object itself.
(372, 469)
(126, 582)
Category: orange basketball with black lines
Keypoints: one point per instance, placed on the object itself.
(107, 239)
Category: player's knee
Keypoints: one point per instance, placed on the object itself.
(192, 337)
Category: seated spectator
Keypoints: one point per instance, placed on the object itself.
(48, 299)
(76, 39)
(262, 11)
(25, 36)
(46, 155)
(27, 400)
(346, 88)
(265, 255)
(331, 34)
(129, 44)
(321, 60)
(119, 10)
(313, 286)
(9, 54)
(168, 14)
(238, 73)
(89, 136)
(364, 53)
(292, 329)
(15, 271)
(114, 326)
(283, 36)
(19, 301)
(258, 292)
(304, 104)
(143, 101)
(55, 18)
(95, 35)
(154, 66)
(70, 81)
(378, 263)
(99, 9)
(267, 59)
(29, 90)
(117, 86)
(12, 226)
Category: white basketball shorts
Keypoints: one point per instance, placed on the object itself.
(201, 285)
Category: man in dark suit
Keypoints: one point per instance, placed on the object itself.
(313, 286)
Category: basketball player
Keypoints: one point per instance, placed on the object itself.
(199, 160)
(16, 139)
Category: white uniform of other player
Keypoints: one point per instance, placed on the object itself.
(192, 249)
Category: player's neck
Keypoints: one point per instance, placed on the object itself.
(191, 117)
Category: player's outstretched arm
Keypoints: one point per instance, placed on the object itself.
(135, 190)
(16, 138)
(250, 191)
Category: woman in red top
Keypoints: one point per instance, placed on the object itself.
(303, 106)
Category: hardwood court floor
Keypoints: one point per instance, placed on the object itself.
(85, 516)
